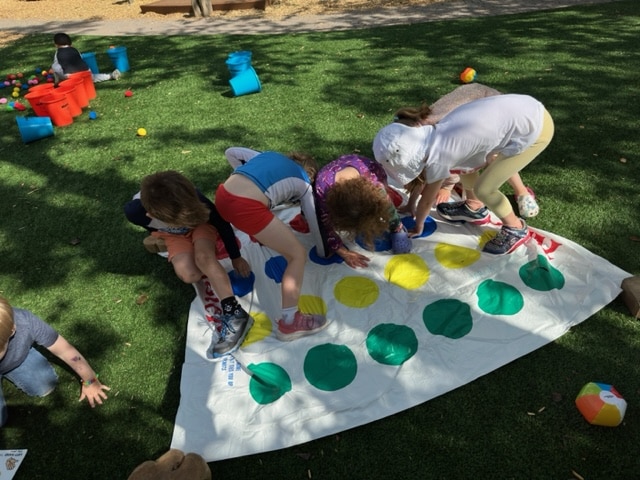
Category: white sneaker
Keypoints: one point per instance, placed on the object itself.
(115, 75)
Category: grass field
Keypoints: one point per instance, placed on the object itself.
(69, 255)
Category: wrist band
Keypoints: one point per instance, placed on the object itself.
(86, 383)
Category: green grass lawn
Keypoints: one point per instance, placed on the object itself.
(69, 255)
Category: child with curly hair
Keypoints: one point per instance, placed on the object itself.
(262, 181)
(172, 209)
(352, 196)
(24, 366)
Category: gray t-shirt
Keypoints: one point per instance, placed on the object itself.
(30, 329)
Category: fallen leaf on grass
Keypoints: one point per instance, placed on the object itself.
(142, 299)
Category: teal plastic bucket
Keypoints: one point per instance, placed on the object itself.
(238, 64)
(245, 82)
(118, 56)
(34, 128)
(240, 54)
(90, 59)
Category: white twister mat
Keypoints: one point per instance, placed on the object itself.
(407, 329)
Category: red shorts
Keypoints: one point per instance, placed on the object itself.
(246, 214)
(177, 244)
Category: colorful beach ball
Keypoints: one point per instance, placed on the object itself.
(601, 404)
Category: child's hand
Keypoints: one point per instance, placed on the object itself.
(353, 259)
(241, 266)
(443, 196)
(94, 393)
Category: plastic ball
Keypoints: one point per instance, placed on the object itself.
(601, 404)
(20, 75)
(44, 73)
(468, 75)
(128, 93)
(3, 100)
(15, 94)
(49, 80)
(18, 106)
(141, 132)
(93, 115)
(7, 83)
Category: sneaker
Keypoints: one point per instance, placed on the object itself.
(303, 324)
(507, 240)
(233, 330)
(527, 205)
(460, 212)
(116, 74)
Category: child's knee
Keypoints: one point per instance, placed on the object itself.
(188, 275)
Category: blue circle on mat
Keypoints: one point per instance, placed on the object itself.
(241, 285)
(274, 268)
(380, 244)
(429, 225)
(315, 258)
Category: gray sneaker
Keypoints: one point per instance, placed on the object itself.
(233, 330)
(460, 212)
(116, 74)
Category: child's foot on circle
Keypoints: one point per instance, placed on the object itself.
(507, 240)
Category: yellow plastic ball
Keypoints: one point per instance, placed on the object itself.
(141, 132)
(15, 94)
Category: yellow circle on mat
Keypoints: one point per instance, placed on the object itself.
(356, 292)
(312, 304)
(455, 256)
(407, 271)
(261, 328)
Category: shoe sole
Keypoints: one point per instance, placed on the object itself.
(236, 347)
(513, 247)
(288, 337)
(480, 221)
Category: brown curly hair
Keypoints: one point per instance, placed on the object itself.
(359, 207)
(170, 197)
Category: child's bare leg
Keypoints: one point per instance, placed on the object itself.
(185, 267)
(518, 186)
(280, 238)
(207, 263)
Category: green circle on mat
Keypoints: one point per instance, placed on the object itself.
(499, 298)
(391, 344)
(268, 382)
(448, 317)
(330, 367)
(540, 275)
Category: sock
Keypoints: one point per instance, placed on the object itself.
(230, 306)
(288, 315)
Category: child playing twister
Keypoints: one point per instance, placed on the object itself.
(264, 181)
(488, 141)
(172, 209)
(28, 369)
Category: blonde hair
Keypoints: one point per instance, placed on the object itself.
(7, 324)
(307, 162)
(170, 197)
(357, 206)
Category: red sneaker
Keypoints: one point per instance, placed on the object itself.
(303, 324)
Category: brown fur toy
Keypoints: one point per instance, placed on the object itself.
(173, 465)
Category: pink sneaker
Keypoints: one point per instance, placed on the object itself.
(303, 324)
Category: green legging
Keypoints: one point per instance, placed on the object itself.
(486, 183)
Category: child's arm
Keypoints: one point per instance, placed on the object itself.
(237, 156)
(429, 192)
(92, 389)
(136, 213)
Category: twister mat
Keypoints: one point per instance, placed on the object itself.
(405, 330)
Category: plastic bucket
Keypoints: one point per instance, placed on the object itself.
(34, 128)
(238, 64)
(245, 82)
(118, 56)
(90, 59)
(79, 93)
(57, 107)
(89, 88)
(240, 54)
(69, 89)
(35, 95)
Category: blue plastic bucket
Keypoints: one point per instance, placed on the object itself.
(90, 59)
(238, 64)
(34, 128)
(240, 54)
(118, 56)
(245, 82)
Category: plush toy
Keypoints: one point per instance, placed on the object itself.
(173, 465)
